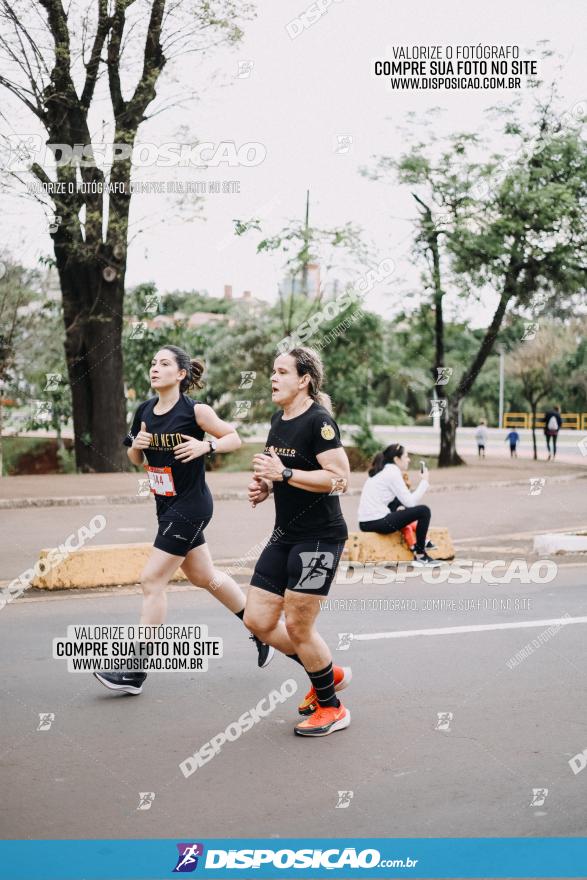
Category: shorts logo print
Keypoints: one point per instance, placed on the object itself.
(316, 568)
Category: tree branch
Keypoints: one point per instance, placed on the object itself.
(19, 91)
(153, 64)
(93, 65)
(114, 51)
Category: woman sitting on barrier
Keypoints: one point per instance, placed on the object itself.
(387, 505)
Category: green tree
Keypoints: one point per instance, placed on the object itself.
(537, 365)
(18, 291)
(512, 224)
(52, 59)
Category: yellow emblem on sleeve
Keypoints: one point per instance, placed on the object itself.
(327, 431)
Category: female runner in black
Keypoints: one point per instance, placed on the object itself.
(305, 467)
(168, 430)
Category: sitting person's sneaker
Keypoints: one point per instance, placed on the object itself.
(422, 560)
(265, 652)
(125, 682)
(342, 678)
(324, 720)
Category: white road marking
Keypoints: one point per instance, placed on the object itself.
(459, 630)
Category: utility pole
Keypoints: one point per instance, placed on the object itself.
(501, 384)
(305, 246)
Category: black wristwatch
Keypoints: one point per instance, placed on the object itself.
(286, 474)
(213, 446)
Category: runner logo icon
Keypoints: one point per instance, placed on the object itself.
(316, 568)
(188, 857)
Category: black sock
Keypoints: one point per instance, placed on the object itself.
(241, 616)
(323, 682)
(295, 657)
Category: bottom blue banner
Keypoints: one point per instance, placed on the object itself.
(486, 857)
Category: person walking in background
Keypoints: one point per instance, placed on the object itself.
(552, 425)
(481, 438)
(514, 439)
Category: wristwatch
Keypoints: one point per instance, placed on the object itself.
(213, 445)
(286, 474)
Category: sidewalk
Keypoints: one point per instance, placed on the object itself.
(54, 490)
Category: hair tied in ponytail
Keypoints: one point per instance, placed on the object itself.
(376, 464)
(193, 367)
(308, 362)
(388, 456)
(197, 370)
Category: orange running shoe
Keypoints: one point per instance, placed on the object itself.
(342, 678)
(324, 720)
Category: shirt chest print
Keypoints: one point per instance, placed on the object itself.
(165, 442)
(281, 450)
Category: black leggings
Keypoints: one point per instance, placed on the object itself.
(550, 437)
(396, 520)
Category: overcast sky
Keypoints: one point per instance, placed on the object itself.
(300, 96)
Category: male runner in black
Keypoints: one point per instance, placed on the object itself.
(169, 430)
(306, 467)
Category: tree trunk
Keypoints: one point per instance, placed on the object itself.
(92, 311)
(448, 455)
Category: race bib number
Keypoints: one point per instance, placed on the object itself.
(161, 481)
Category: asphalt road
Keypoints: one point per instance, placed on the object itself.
(511, 730)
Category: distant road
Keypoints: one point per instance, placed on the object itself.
(426, 439)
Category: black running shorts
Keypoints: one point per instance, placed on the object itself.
(179, 536)
(307, 567)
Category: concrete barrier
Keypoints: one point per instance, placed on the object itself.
(546, 545)
(104, 565)
(373, 547)
(112, 565)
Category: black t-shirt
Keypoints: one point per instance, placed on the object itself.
(181, 489)
(299, 514)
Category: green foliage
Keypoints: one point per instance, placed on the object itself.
(365, 441)
(396, 413)
(35, 353)
(139, 348)
(353, 361)
(52, 408)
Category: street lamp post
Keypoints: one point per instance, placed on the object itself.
(501, 384)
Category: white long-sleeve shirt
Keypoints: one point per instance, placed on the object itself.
(381, 489)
